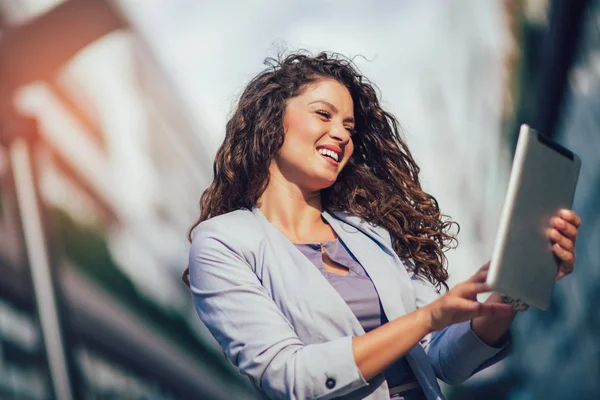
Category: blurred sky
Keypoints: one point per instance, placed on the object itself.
(440, 67)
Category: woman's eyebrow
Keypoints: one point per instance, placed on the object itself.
(333, 108)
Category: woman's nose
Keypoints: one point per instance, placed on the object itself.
(339, 133)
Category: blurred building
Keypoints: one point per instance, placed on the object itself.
(556, 352)
(119, 170)
(119, 163)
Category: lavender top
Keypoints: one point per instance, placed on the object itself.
(359, 293)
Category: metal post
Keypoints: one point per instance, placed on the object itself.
(37, 253)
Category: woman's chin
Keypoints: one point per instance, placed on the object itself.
(323, 182)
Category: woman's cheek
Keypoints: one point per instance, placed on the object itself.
(348, 155)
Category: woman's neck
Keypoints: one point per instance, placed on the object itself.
(296, 213)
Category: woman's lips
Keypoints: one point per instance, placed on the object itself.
(330, 160)
(332, 153)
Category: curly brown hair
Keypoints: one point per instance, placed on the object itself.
(380, 183)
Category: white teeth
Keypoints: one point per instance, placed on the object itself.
(329, 153)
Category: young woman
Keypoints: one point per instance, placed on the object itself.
(318, 260)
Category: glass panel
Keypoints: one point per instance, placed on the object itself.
(22, 357)
(102, 378)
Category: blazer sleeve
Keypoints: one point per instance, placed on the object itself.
(456, 352)
(253, 332)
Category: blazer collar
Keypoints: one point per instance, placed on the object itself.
(397, 296)
(377, 258)
(327, 291)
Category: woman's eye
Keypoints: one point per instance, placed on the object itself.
(324, 113)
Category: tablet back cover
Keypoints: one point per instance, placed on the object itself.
(542, 181)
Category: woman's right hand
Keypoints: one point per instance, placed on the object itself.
(460, 303)
(376, 350)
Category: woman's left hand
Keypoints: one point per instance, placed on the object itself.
(563, 234)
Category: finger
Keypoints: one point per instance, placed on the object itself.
(473, 307)
(560, 274)
(495, 310)
(570, 216)
(563, 254)
(485, 266)
(565, 227)
(556, 237)
(471, 289)
(479, 276)
(476, 309)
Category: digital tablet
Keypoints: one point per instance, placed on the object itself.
(542, 181)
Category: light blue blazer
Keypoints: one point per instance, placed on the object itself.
(283, 325)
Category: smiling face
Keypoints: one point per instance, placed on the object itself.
(318, 126)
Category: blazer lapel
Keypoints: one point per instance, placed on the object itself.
(328, 296)
(387, 272)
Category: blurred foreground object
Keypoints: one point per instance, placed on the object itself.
(90, 301)
(557, 353)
